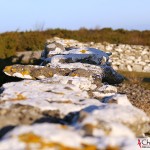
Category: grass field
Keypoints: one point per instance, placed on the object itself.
(12, 42)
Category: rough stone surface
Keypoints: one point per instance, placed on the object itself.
(103, 72)
(52, 136)
(85, 55)
(19, 114)
(123, 55)
(127, 115)
(68, 103)
(64, 98)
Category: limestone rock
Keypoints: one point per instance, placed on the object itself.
(122, 67)
(137, 68)
(44, 136)
(130, 116)
(57, 46)
(84, 55)
(130, 54)
(49, 136)
(120, 99)
(64, 98)
(104, 91)
(40, 72)
(111, 76)
(33, 72)
(74, 92)
(19, 114)
(129, 68)
(147, 68)
(52, 49)
(81, 82)
(106, 73)
(67, 43)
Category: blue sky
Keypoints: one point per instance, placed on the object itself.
(73, 14)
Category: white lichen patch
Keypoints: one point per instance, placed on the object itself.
(65, 98)
(92, 55)
(129, 116)
(80, 82)
(84, 54)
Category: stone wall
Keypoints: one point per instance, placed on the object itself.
(68, 105)
(127, 57)
(124, 57)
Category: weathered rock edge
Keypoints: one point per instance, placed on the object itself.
(89, 114)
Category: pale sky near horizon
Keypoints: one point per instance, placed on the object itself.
(72, 14)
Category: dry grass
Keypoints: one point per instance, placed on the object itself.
(137, 78)
(11, 42)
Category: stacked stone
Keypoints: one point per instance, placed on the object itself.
(124, 57)
(66, 104)
(127, 57)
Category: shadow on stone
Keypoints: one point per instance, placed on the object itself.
(6, 129)
(10, 61)
(50, 119)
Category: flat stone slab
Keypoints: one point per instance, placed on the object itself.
(49, 136)
(64, 98)
(100, 116)
(105, 73)
(68, 103)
